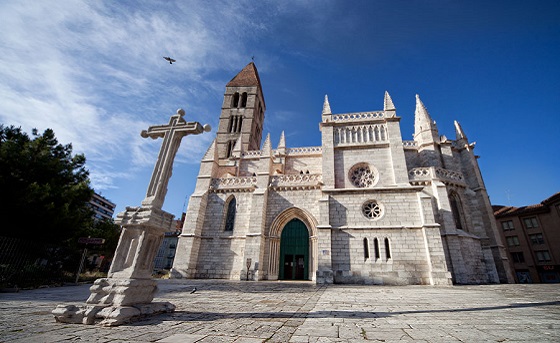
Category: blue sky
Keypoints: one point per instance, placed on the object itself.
(93, 72)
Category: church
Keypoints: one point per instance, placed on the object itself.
(364, 206)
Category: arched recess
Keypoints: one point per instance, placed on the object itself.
(457, 211)
(275, 234)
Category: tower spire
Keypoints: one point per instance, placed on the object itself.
(425, 128)
(388, 103)
(326, 106)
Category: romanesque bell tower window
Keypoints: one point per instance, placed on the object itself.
(244, 100)
(230, 216)
(235, 100)
(376, 248)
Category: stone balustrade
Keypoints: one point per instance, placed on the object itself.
(296, 181)
(345, 117)
(247, 183)
(425, 175)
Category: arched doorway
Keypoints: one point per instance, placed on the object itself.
(294, 251)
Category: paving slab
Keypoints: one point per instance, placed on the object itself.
(250, 312)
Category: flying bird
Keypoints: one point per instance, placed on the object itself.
(169, 59)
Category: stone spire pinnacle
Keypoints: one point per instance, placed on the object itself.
(282, 143)
(388, 103)
(459, 133)
(212, 152)
(425, 128)
(326, 106)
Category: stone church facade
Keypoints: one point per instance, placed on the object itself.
(363, 207)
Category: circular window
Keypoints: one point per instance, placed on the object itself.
(372, 210)
(362, 175)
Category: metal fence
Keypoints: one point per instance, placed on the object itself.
(28, 264)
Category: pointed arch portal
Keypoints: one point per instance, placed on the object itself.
(292, 240)
(294, 251)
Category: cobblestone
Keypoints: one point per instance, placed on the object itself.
(250, 312)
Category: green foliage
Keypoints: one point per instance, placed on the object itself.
(44, 188)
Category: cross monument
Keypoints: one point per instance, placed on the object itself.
(129, 289)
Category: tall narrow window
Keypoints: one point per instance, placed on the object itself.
(387, 248)
(366, 248)
(376, 248)
(235, 100)
(244, 100)
(456, 211)
(230, 146)
(230, 216)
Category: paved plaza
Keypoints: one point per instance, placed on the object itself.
(247, 312)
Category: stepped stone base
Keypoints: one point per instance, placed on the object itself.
(114, 302)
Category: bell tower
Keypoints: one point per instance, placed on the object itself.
(242, 117)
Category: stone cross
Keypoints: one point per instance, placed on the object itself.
(172, 134)
(129, 289)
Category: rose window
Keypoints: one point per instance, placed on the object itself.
(372, 210)
(362, 176)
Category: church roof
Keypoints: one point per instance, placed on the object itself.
(247, 77)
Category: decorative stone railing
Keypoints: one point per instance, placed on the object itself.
(296, 181)
(410, 144)
(233, 183)
(360, 134)
(357, 116)
(312, 150)
(251, 153)
(425, 175)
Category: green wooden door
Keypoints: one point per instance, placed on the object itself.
(294, 251)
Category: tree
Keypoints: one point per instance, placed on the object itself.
(44, 189)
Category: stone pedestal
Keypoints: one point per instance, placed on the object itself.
(128, 292)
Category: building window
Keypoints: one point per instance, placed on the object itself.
(531, 223)
(387, 248)
(235, 100)
(543, 256)
(372, 210)
(366, 248)
(512, 241)
(244, 100)
(230, 216)
(508, 225)
(536, 238)
(362, 175)
(517, 257)
(376, 248)
(457, 217)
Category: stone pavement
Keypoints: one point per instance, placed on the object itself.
(247, 312)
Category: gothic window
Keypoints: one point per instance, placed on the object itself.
(376, 248)
(230, 216)
(366, 248)
(362, 175)
(244, 100)
(371, 209)
(387, 248)
(455, 210)
(235, 100)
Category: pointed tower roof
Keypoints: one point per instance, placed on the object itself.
(212, 152)
(388, 103)
(267, 147)
(326, 106)
(247, 77)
